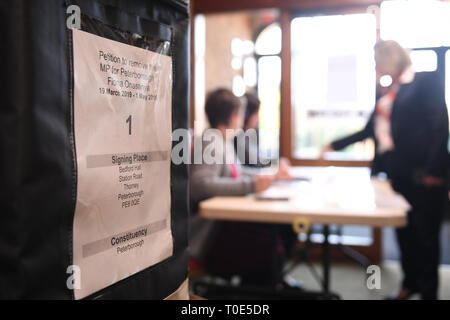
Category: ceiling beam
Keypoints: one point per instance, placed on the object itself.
(217, 6)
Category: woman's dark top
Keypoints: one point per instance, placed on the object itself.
(419, 125)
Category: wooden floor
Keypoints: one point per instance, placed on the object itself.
(349, 280)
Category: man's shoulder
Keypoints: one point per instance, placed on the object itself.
(208, 145)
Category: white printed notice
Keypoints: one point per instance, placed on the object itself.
(123, 128)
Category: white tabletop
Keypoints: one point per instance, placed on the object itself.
(326, 195)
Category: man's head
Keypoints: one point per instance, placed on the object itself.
(223, 109)
(391, 62)
(251, 111)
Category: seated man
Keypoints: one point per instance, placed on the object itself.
(229, 248)
(246, 142)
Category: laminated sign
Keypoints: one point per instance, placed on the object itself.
(91, 205)
(122, 127)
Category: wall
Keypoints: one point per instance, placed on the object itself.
(219, 30)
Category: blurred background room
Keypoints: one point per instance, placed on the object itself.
(311, 64)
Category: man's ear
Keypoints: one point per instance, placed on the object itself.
(233, 117)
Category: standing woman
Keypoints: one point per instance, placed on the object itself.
(410, 128)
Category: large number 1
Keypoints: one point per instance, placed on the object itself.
(129, 124)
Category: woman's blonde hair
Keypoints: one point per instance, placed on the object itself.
(392, 57)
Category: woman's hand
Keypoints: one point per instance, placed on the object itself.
(263, 182)
(284, 170)
(326, 149)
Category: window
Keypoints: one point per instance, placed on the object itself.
(424, 60)
(199, 70)
(242, 51)
(269, 40)
(267, 49)
(416, 24)
(333, 82)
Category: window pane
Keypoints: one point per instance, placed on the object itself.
(269, 40)
(333, 82)
(424, 60)
(199, 67)
(269, 77)
(416, 24)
